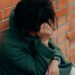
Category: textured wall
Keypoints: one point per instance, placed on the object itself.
(5, 7)
(64, 36)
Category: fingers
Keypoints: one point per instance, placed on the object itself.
(53, 72)
(46, 73)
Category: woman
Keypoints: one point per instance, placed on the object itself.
(27, 47)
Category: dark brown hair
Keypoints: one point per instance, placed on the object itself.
(30, 14)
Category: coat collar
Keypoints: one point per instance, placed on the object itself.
(27, 39)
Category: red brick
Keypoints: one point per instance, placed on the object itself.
(72, 59)
(55, 33)
(7, 12)
(15, 1)
(64, 45)
(62, 20)
(4, 25)
(71, 51)
(72, 8)
(62, 12)
(0, 15)
(55, 4)
(7, 3)
(71, 34)
(62, 3)
(72, 42)
(71, 1)
(72, 25)
(71, 17)
(4, 3)
(61, 30)
(55, 40)
(62, 38)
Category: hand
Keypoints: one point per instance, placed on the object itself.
(45, 33)
(53, 68)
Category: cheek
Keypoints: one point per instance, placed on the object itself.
(51, 30)
(51, 33)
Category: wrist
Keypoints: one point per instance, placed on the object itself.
(55, 62)
(57, 58)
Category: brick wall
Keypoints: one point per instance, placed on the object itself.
(64, 36)
(5, 7)
(65, 33)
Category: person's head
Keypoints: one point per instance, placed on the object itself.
(30, 14)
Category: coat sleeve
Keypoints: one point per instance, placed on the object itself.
(15, 55)
(58, 52)
(18, 58)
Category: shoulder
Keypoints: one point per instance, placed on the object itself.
(10, 41)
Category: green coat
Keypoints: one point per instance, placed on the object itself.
(26, 55)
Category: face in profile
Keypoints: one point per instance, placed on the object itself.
(46, 29)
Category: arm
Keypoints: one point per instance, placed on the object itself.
(16, 55)
(58, 52)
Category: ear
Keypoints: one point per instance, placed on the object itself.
(44, 25)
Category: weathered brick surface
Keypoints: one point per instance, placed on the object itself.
(5, 8)
(0, 15)
(4, 25)
(65, 34)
